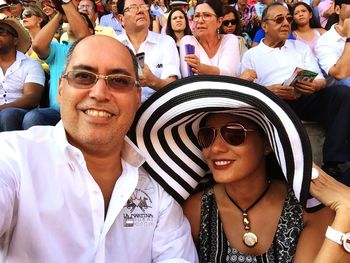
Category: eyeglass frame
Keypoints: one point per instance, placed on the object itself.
(280, 16)
(97, 77)
(136, 8)
(28, 14)
(202, 15)
(87, 7)
(216, 133)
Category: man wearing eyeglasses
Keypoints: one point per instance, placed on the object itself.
(112, 19)
(276, 58)
(21, 79)
(77, 192)
(161, 64)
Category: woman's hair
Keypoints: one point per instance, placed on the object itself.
(37, 11)
(216, 5)
(230, 9)
(170, 30)
(313, 22)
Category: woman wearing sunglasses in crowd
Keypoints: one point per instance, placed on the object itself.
(258, 152)
(231, 25)
(208, 51)
(306, 26)
(177, 25)
(34, 20)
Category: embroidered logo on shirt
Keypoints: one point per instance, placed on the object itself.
(159, 66)
(138, 206)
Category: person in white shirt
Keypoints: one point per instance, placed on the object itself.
(21, 78)
(77, 192)
(161, 62)
(275, 59)
(333, 49)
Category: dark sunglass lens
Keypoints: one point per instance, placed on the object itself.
(27, 15)
(120, 82)
(233, 135)
(81, 78)
(289, 19)
(205, 137)
(279, 20)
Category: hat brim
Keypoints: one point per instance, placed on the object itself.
(166, 126)
(24, 42)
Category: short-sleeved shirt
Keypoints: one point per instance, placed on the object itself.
(161, 56)
(329, 48)
(23, 70)
(56, 61)
(282, 61)
(110, 21)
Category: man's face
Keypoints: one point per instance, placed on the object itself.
(114, 7)
(275, 28)
(135, 17)
(343, 11)
(7, 39)
(87, 7)
(97, 117)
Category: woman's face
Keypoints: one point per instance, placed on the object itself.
(48, 10)
(30, 20)
(301, 15)
(229, 163)
(229, 23)
(205, 20)
(178, 22)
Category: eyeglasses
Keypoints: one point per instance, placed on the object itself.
(85, 80)
(5, 32)
(136, 8)
(86, 7)
(228, 22)
(205, 16)
(232, 133)
(27, 14)
(280, 19)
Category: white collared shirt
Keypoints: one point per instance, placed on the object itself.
(275, 65)
(52, 210)
(23, 70)
(329, 48)
(161, 56)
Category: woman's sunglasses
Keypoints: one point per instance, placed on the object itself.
(27, 14)
(233, 133)
(228, 22)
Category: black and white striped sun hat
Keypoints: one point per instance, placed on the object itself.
(166, 126)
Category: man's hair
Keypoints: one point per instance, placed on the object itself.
(74, 45)
(266, 10)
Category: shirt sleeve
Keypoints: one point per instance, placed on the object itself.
(326, 54)
(8, 186)
(229, 60)
(172, 238)
(35, 72)
(170, 61)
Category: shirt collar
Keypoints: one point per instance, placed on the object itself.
(334, 34)
(267, 49)
(151, 37)
(130, 153)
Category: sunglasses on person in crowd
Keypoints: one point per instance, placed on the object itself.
(280, 19)
(5, 32)
(85, 80)
(233, 133)
(228, 22)
(27, 14)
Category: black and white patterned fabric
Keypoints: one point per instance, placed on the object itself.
(214, 246)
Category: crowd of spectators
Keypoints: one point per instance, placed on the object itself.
(179, 38)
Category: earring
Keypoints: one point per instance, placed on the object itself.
(218, 32)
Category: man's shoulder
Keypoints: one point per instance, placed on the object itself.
(329, 37)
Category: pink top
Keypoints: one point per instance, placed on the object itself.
(322, 8)
(311, 43)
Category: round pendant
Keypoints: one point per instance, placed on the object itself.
(250, 239)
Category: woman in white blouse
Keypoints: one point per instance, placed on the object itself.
(213, 53)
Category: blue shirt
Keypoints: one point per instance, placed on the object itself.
(56, 61)
(111, 21)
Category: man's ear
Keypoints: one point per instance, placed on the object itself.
(121, 19)
(59, 93)
(264, 26)
(337, 9)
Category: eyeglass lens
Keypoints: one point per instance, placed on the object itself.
(232, 134)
